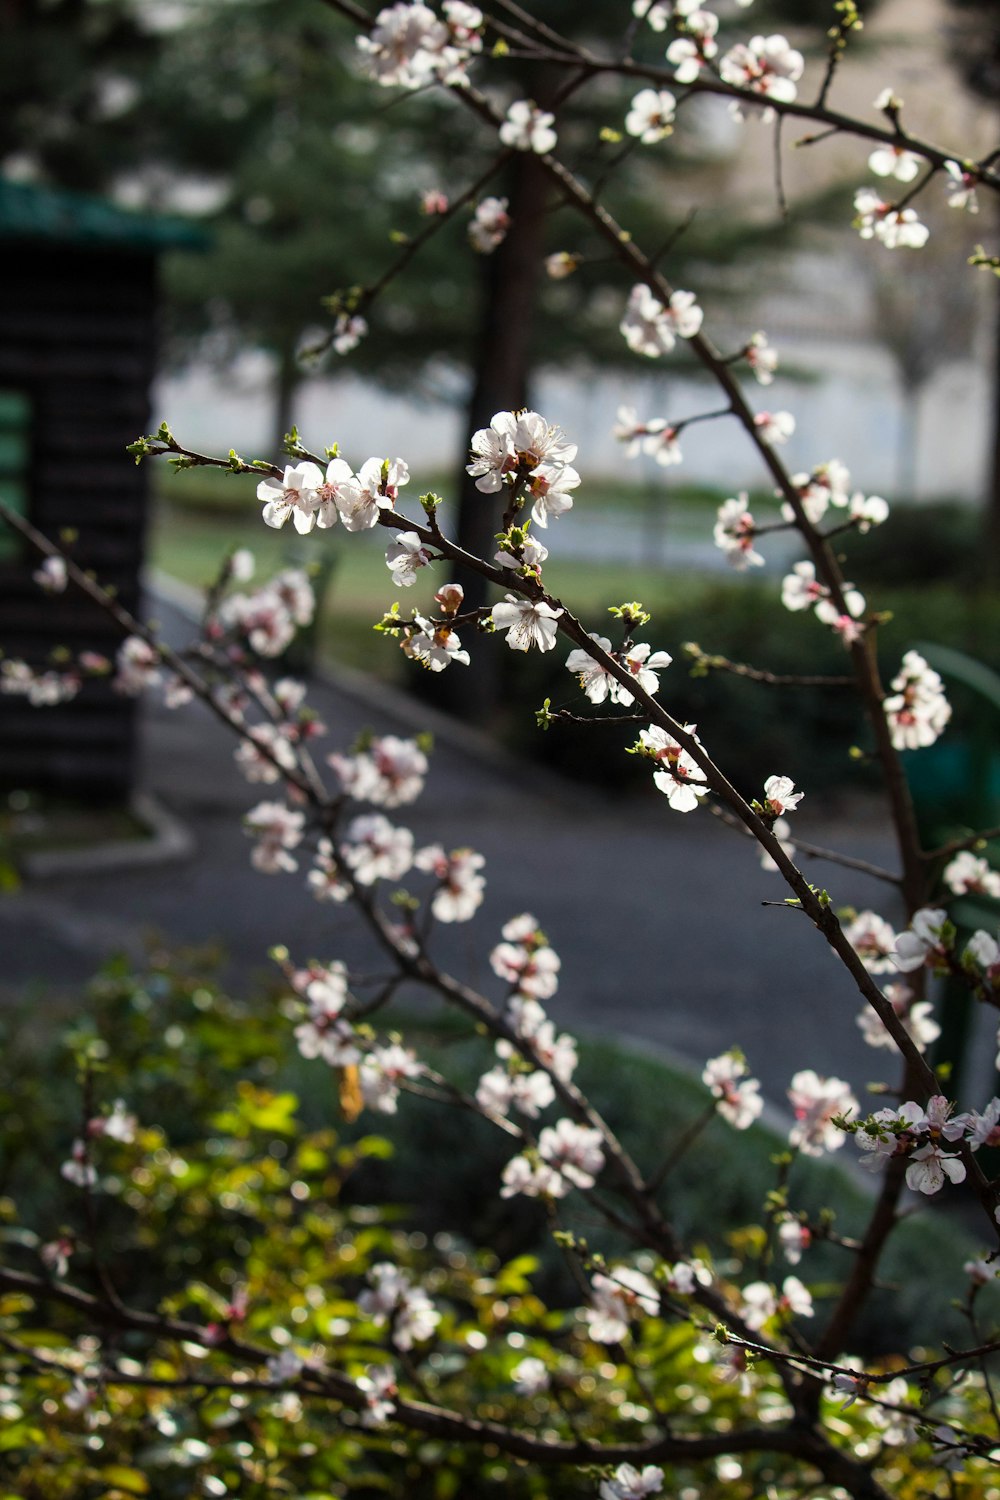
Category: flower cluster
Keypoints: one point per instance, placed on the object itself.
(389, 771)
(528, 128)
(895, 228)
(410, 47)
(737, 1094)
(568, 1156)
(489, 225)
(650, 116)
(817, 1103)
(734, 533)
(655, 437)
(42, 689)
(616, 1299)
(762, 1302)
(917, 709)
(528, 456)
(652, 328)
(916, 1017)
(694, 49)
(801, 589)
(679, 776)
(600, 685)
(393, 1300)
(324, 1033)
(766, 65)
(919, 1135)
(268, 618)
(313, 499)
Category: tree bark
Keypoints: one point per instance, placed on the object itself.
(991, 550)
(286, 385)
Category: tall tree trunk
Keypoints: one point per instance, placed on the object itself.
(991, 550)
(502, 360)
(286, 384)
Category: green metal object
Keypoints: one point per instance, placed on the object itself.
(956, 790)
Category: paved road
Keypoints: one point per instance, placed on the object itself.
(657, 915)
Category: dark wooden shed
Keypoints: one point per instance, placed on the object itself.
(78, 319)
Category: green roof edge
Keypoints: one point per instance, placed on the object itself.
(29, 211)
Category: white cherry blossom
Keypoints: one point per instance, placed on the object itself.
(560, 264)
(691, 52)
(915, 1015)
(968, 872)
(379, 1077)
(277, 829)
(461, 888)
(652, 328)
(930, 1168)
(738, 1095)
(901, 229)
(874, 941)
(767, 65)
(656, 13)
(528, 128)
(574, 1151)
(489, 225)
(774, 427)
(894, 161)
(405, 556)
(922, 941)
(643, 663)
(528, 622)
(527, 962)
(326, 880)
(762, 358)
(984, 1129)
(389, 773)
(616, 1299)
(409, 46)
(733, 534)
(681, 780)
(917, 709)
(984, 950)
(794, 1238)
(375, 850)
(780, 795)
(376, 488)
(815, 1101)
(434, 646)
(51, 575)
(961, 188)
(650, 116)
(867, 511)
(595, 680)
(348, 331)
(378, 1386)
(392, 1299)
(529, 1377)
(293, 495)
(548, 488)
(78, 1169)
(761, 1302)
(137, 666)
(800, 589)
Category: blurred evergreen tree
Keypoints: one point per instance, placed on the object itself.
(314, 176)
(976, 54)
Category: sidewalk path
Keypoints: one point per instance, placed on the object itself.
(657, 916)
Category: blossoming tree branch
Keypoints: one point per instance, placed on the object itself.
(778, 1397)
